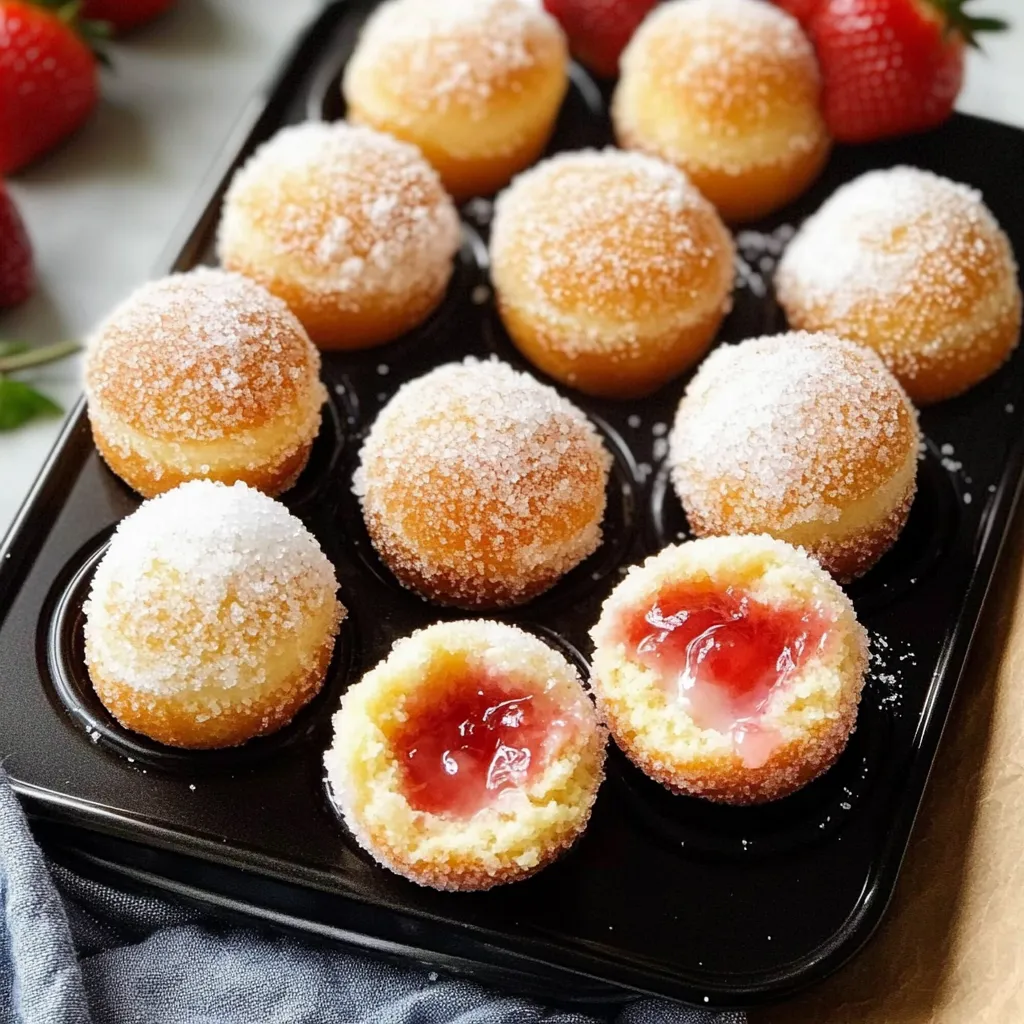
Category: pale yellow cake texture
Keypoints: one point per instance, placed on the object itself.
(525, 827)
(813, 712)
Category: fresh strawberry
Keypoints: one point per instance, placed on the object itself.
(891, 66)
(48, 78)
(124, 15)
(17, 277)
(802, 10)
(598, 30)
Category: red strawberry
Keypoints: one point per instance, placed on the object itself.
(891, 66)
(598, 30)
(124, 15)
(802, 10)
(17, 276)
(48, 79)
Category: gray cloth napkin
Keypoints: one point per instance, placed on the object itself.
(78, 952)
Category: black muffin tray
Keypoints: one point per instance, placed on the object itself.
(716, 906)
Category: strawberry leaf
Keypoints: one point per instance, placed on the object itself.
(986, 24)
(12, 348)
(958, 19)
(20, 403)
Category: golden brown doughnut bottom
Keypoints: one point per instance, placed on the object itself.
(467, 177)
(140, 474)
(754, 193)
(623, 372)
(790, 767)
(846, 557)
(458, 873)
(450, 589)
(931, 376)
(332, 326)
(172, 720)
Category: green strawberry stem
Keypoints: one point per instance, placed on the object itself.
(68, 12)
(94, 32)
(957, 18)
(37, 356)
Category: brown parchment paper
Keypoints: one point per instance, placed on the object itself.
(951, 949)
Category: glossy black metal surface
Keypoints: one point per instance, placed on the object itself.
(717, 906)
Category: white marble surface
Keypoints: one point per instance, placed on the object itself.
(101, 208)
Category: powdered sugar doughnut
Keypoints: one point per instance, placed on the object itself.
(350, 227)
(203, 374)
(801, 436)
(916, 267)
(475, 84)
(729, 90)
(730, 668)
(471, 756)
(612, 271)
(481, 487)
(211, 617)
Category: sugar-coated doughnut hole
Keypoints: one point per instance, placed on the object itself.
(730, 91)
(204, 374)
(481, 487)
(349, 226)
(914, 266)
(805, 437)
(471, 756)
(475, 84)
(612, 271)
(730, 668)
(211, 617)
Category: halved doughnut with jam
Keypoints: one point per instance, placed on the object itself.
(469, 757)
(730, 668)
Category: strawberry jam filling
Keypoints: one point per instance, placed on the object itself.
(723, 654)
(460, 750)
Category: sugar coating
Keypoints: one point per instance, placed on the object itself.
(454, 54)
(908, 262)
(781, 431)
(481, 486)
(355, 213)
(885, 233)
(211, 592)
(739, 69)
(525, 827)
(601, 245)
(812, 715)
(201, 356)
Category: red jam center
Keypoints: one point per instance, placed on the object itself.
(459, 751)
(723, 654)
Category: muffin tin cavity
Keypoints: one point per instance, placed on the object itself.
(931, 527)
(666, 521)
(336, 416)
(694, 828)
(68, 680)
